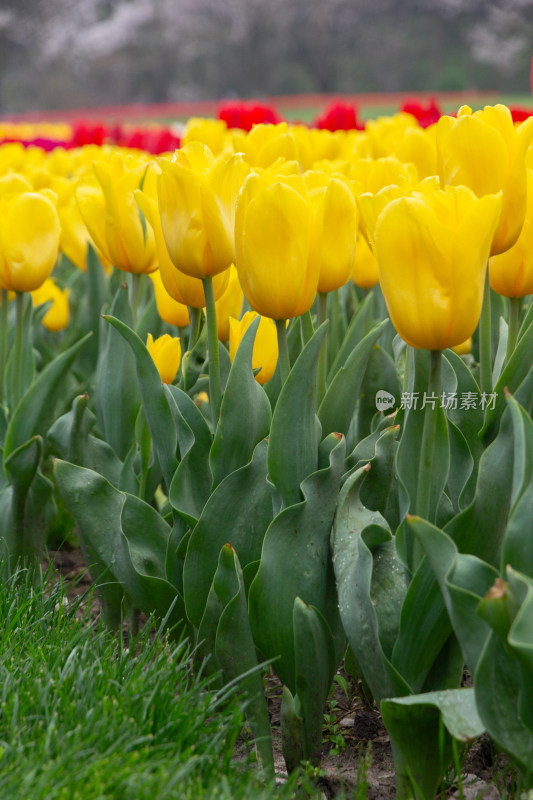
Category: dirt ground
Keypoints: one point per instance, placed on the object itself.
(356, 746)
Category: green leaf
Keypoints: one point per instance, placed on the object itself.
(191, 485)
(380, 375)
(154, 400)
(236, 654)
(295, 432)
(295, 562)
(35, 412)
(291, 730)
(243, 399)
(516, 546)
(356, 531)
(422, 726)
(379, 491)
(498, 689)
(238, 512)
(360, 324)
(94, 296)
(117, 397)
(128, 535)
(463, 580)
(461, 466)
(424, 628)
(70, 438)
(27, 365)
(479, 529)
(338, 406)
(512, 376)
(467, 416)
(315, 666)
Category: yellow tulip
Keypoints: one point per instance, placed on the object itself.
(57, 316)
(365, 271)
(211, 132)
(29, 240)
(272, 242)
(166, 354)
(511, 273)
(265, 144)
(111, 214)
(377, 173)
(432, 249)
(181, 287)
(169, 310)
(229, 304)
(333, 231)
(197, 208)
(265, 353)
(484, 151)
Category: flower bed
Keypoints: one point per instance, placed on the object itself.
(281, 379)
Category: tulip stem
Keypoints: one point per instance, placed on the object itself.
(215, 394)
(135, 290)
(322, 307)
(283, 350)
(423, 492)
(512, 330)
(19, 346)
(485, 341)
(195, 316)
(4, 310)
(323, 358)
(307, 327)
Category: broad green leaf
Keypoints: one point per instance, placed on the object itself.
(520, 640)
(410, 448)
(295, 431)
(35, 412)
(498, 688)
(422, 726)
(291, 730)
(315, 665)
(379, 491)
(461, 466)
(117, 397)
(70, 438)
(463, 401)
(463, 581)
(424, 628)
(154, 401)
(296, 562)
(356, 532)
(129, 536)
(512, 376)
(339, 403)
(479, 529)
(26, 366)
(238, 512)
(236, 654)
(380, 375)
(243, 399)
(191, 485)
(361, 323)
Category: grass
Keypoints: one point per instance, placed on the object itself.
(84, 718)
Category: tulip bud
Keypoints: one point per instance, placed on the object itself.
(166, 354)
(265, 354)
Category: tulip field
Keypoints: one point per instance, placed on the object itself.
(276, 381)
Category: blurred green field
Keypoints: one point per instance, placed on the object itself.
(372, 111)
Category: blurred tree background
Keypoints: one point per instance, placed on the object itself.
(58, 54)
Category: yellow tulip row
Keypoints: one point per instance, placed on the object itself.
(285, 212)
